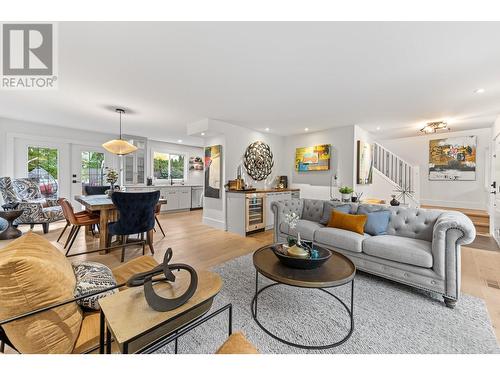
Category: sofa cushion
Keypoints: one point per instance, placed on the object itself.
(340, 238)
(140, 264)
(377, 221)
(330, 206)
(353, 223)
(35, 274)
(306, 229)
(400, 249)
(312, 210)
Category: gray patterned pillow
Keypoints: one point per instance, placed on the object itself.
(92, 277)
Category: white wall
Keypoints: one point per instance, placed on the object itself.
(234, 140)
(316, 184)
(462, 194)
(193, 177)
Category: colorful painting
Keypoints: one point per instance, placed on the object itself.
(213, 171)
(365, 163)
(315, 158)
(453, 159)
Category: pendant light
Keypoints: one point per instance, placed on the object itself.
(119, 146)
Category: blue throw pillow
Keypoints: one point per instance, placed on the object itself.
(377, 221)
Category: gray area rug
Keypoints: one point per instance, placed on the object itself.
(388, 318)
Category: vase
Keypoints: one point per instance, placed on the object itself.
(346, 197)
(297, 252)
(394, 202)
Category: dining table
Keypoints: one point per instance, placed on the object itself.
(107, 212)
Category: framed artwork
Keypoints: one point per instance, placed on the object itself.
(453, 159)
(213, 171)
(314, 158)
(364, 163)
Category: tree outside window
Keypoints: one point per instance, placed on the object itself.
(166, 166)
(43, 165)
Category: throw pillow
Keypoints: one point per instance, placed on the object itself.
(329, 207)
(353, 223)
(92, 277)
(377, 221)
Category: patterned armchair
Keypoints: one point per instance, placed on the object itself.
(24, 194)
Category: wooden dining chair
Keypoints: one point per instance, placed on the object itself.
(76, 221)
(157, 212)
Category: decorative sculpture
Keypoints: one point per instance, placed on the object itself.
(146, 278)
(258, 161)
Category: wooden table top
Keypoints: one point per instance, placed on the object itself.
(100, 202)
(336, 271)
(129, 315)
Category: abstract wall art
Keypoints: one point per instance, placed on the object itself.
(258, 160)
(453, 159)
(364, 163)
(314, 158)
(213, 171)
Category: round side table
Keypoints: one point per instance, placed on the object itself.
(10, 232)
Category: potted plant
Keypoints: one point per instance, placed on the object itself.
(346, 192)
(111, 178)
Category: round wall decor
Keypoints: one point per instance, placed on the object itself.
(258, 160)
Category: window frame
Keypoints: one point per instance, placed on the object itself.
(169, 152)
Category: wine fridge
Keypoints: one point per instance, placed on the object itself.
(255, 204)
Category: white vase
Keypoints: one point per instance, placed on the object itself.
(346, 197)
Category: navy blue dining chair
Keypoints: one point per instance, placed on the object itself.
(136, 216)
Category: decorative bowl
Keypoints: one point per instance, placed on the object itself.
(302, 263)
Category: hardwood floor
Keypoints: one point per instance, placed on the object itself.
(203, 247)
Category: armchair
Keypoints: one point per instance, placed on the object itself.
(25, 193)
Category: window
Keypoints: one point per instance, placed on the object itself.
(43, 165)
(168, 166)
(92, 172)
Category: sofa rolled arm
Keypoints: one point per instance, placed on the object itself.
(32, 213)
(451, 230)
(282, 208)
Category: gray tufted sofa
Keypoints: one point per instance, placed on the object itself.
(421, 247)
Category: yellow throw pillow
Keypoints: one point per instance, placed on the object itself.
(35, 274)
(353, 223)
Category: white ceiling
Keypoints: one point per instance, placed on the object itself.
(282, 75)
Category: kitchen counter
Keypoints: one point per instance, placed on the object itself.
(262, 191)
(160, 186)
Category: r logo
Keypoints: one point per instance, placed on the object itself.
(27, 49)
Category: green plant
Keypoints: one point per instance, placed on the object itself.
(111, 176)
(345, 190)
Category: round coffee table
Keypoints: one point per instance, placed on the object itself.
(10, 232)
(337, 271)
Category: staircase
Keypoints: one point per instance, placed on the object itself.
(480, 218)
(402, 175)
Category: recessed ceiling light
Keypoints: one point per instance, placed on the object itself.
(202, 133)
(478, 91)
(378, 128)
(306, 129)
(179, 140)
(267, 129)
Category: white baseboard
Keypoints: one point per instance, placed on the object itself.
(454, 204)
(218, 224)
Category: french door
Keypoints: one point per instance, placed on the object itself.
(87, 168)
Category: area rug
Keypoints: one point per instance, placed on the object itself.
(389, 318)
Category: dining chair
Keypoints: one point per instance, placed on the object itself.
(136, 216)
(96, 189)
(68, 224)
(157, 212)
(76, 220)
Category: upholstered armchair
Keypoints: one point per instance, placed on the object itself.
(24, 194)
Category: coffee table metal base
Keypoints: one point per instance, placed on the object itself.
(350, 311)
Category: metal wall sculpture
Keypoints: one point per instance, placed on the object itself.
(258, 160)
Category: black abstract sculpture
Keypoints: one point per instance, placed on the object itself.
(258, 161)
(146, 278)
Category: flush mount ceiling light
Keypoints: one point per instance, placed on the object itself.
(432, 127)
(119, 146)
(478, 91)
(306, 129)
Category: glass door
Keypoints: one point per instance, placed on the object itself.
(87, 168)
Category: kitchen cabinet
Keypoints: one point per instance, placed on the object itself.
(134, 164)
(178, 197)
